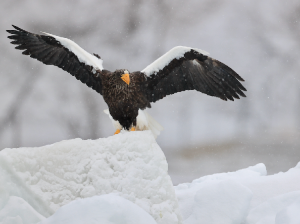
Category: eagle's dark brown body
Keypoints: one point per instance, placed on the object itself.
(124, 100)
(180, 69)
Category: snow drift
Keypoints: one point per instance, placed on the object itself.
(124, 178)
(247, 196)
(105, 209)
(129, 164)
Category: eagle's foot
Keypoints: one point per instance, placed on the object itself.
(117, 131)
(132, 129)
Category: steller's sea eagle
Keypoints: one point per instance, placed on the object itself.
(180, 69)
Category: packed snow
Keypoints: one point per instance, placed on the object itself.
(143, 122)
(18, 211)
(104, 209)
(208, 202)
(246, 196)
(124, 178)
(129, 164)
(82, 55)
(161, 62)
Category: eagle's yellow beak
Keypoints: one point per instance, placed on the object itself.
(125, 78)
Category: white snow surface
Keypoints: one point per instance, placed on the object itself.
(104, 209)
(214, 201)
(18, 211)
(176, 52)
(129, 164)
(143, 122)
(116, 179)
(247, 196)
(290, 214)
(81, 54)
(267, 212)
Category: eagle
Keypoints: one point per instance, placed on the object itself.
(181, 68)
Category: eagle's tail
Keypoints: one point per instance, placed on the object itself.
(143, 122)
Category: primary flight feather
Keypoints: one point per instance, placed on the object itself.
(180, 69)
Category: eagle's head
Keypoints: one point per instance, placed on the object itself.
(123, 74)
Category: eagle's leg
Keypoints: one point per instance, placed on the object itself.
(133, 125)
(117, 131)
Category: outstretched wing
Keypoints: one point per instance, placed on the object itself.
(184, 68)
(61, 52)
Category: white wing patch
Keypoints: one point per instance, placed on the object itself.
(82, 55)
(176, 52)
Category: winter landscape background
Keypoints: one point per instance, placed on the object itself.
(203, 135)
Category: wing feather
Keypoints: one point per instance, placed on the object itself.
(61, 52)
(191, 69)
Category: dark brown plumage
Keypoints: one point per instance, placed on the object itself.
(180, 69)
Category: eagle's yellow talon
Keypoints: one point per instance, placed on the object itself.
(117, 131)
(132, 129)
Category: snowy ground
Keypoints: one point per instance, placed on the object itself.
(245, 196)
(124, 179)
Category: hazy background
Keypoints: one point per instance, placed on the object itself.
(260, 40)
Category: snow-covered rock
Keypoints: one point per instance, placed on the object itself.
(129, 164)
(105, 209)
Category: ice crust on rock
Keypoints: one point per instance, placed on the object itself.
(129, 164)
(104, 209)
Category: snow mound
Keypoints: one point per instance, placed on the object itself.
(246, 196)
(267, 212)
(124, 179)
(208, 202)
(290, 214)
(129, 164)
(18, 211)
(105, 209)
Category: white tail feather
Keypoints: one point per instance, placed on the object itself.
(143, 122)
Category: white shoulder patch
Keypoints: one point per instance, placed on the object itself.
(164, 60)
(82, 55)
